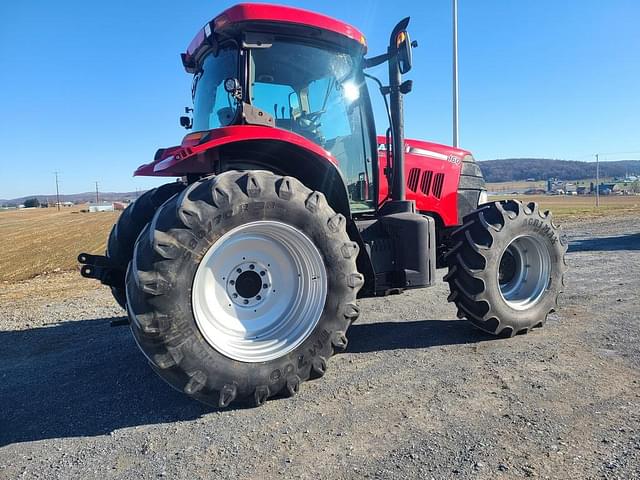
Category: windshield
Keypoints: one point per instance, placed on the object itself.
(213, 107)
(317, 93)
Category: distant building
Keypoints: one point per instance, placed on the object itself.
(560, 187)
(627, 188)
(101, 207)
(606, 188)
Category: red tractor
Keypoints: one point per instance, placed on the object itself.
(241, 280)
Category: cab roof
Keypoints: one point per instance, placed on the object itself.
(276, 16)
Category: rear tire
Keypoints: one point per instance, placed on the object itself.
(124, 233)
(506, 267)
(211, 331)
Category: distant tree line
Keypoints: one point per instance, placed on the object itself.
(515, 169)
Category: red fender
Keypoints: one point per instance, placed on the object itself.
(254, 147)
(189, 158)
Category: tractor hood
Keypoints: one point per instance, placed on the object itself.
(433, 178)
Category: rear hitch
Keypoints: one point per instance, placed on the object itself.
(101, 268)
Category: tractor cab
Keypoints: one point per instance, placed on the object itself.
(291, 77)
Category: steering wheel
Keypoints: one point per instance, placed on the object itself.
(307, 125)
(309, 121)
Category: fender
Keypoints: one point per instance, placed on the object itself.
(258, 147)
(169, 162)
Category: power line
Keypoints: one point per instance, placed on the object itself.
(597, 180)
(620, 153)
(57, 190)
(622, 156)
(602, 154)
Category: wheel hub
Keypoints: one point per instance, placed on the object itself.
(524, 272)
(259, 291)
(508, 268)
(248, 283)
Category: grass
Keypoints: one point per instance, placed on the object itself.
(36, 241)
(576, 207)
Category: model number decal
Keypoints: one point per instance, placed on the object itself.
(453, 159)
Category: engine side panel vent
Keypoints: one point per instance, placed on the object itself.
(413, 178)
(425, 184)
(438, 182)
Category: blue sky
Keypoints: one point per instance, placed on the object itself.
(92, 89)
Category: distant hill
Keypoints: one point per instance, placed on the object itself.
(514, 169)
(77, 197)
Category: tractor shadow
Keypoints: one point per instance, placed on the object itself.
(376, 337)
(85, 378)
(606, 244)
(80, 378)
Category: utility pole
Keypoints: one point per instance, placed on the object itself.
(455, 73)
(597, 180)
(57, 191)
(97, 199)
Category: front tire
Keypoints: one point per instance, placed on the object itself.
(506, 267)
(242, 287)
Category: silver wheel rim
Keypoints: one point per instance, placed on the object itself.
(259, 291)
(523, 273)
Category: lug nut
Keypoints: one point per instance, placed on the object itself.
(235, 295)
(258, 297)
(239, 270)
(252, 266)
(264, 285)
(263, 273)
(232, 282)
(245, 301)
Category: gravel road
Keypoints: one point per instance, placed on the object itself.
(418, 394)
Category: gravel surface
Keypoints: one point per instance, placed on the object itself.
(417, 395)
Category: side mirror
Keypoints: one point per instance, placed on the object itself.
(403, 45)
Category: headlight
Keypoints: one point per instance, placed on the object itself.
(483, 197)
